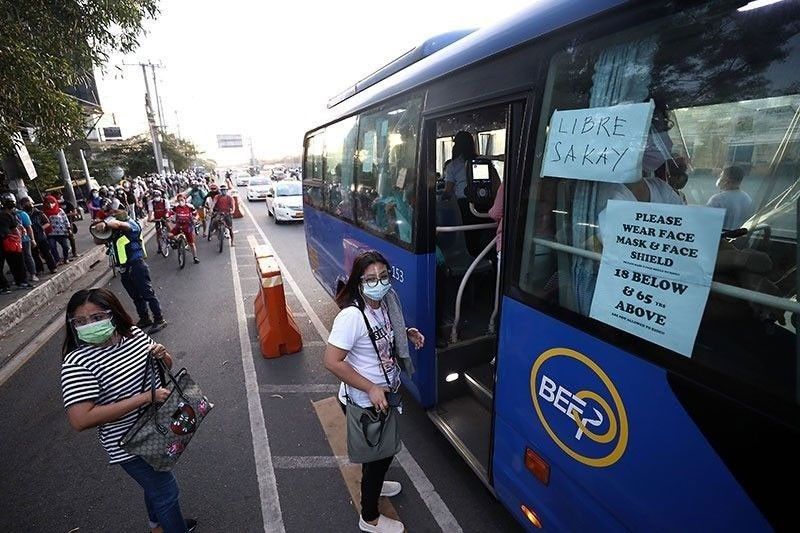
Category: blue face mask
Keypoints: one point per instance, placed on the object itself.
(375, 293)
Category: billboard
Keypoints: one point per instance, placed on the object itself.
(24, 157)
(229, 141)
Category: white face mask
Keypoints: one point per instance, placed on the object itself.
(181, 202)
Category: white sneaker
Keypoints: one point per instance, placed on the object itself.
(384, 525)
(391, 488)
(34, 278)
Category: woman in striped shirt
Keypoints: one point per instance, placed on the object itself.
(105, 359)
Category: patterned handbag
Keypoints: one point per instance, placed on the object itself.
(162, 431)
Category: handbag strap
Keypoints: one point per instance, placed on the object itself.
(375, 345)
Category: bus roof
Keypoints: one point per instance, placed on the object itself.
(537, 20)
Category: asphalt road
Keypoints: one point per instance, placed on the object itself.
(246, 465)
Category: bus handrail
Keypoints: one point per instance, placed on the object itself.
(466, 227)
(733, 291)
(462, 286)
(477, 213)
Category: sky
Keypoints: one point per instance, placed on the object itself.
(266, 70)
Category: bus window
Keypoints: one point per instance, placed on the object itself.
(727, 119)
(340, 146)
(312, 173)
(387, 169)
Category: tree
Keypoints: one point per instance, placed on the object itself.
(48, 47)
(135, 155)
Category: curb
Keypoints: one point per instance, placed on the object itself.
(17, 311)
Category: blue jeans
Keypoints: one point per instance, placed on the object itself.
(160, 495)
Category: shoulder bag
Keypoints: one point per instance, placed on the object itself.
(162, 431)
(371, 434)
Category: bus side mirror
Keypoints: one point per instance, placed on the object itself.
(479, 189)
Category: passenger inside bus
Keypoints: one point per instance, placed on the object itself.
(714, 123)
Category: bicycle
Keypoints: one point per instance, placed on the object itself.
(162, 237)
(180, 244)
(219, 227)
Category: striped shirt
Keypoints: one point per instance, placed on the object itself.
(104, 375)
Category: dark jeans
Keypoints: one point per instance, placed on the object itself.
(16, 264)
(41, 252)
(59, 240)
(136, 280)
(160, 495)
(372, 475)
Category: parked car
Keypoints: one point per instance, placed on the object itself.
(285, 201)
(257, 188)
(242, 179)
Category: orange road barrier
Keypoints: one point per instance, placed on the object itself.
(236, 212)
(278, 333)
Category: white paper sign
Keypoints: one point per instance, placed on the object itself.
(598, 143)
(656, 270)
(24, 156)
(401, 178)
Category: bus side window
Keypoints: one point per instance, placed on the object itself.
(386, 169)
(734, 143)
(340, 146)
(312, 173)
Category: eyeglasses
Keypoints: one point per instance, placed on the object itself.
(373, 282)
(79, 321)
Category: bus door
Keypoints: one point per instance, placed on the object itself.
(467, 271)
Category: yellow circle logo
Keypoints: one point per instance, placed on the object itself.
(588, 411)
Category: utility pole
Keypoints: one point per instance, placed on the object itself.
(151, 121)
(161, 123)
(177, 124)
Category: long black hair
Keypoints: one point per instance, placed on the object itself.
(102, 298)
(464, 145)
(350, 292)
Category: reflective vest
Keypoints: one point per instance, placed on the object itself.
(124, 248)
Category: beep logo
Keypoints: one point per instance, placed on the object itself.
(584, 413)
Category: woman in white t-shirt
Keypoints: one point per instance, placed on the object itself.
(368, 376)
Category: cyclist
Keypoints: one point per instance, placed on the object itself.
(197, 197)
(157, 209)
(184, 222)
(223, 207)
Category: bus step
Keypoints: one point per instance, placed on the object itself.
(467, 425)
(480, 381)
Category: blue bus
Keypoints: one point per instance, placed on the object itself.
(622, 353)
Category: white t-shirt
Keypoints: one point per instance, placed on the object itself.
(660, 193)
(737, 204)
(350, 333)
(456, 173)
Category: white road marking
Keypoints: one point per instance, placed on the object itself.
(265, 471)
(301, 388)
(438, 509)
(297, 462)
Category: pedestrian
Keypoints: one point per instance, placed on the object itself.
(104, 366)
(28, 242)
(368, 363)
(11, 245)
(40, 224)
(738, 205)
(128, 254)
(59, 229)
(72, 216)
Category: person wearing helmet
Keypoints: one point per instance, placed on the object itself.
(223, 207)
(197, 196)
(128, 254)
(158, 208)
(184, 214)
(11, 245)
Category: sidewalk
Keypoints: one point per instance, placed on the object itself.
(24, 313)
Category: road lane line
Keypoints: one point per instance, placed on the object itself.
(438, 509)
(300, 462)
(427, 492)
(301, 388)
(312, 316)
(22, 357)
(265, 471)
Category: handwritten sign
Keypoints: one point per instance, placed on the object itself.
(656, 270)
(598, 143)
